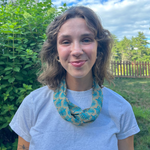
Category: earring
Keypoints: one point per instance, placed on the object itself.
(57, 58)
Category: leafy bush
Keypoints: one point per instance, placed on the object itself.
(22, 28)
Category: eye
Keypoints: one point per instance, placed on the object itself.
(65, 42)
(87, 40)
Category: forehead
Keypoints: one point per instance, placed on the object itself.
(75, 25)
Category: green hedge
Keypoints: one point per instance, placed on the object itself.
(22, 33)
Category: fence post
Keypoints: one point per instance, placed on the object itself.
(132, 69)
(143, 67)
(115, 67)
(137, 70)
(121, 67)
(124, 68)
(118, 68)
(135, 67)
(127, 67)
(146, 68)
(140, 69)
(112, 67)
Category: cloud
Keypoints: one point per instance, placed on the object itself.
(120, 17)
(125, 18)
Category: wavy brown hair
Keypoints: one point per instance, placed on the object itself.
(52, 71)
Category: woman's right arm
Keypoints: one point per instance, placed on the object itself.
(22, 144)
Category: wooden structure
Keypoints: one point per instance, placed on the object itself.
(130, 69)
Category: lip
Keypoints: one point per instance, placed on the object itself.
(78, 63)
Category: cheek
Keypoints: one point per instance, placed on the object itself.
(92, 52)
(63, 53)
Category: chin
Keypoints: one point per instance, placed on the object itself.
(79, 76)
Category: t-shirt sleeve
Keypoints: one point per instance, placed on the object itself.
(23, 119)
(128, 123)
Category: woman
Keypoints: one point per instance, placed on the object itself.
(74, 111)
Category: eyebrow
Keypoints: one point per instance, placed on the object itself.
(83, 35)
(88, 34)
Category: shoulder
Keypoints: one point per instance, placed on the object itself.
(39, 97)
(42, 92)
(114, 98)
(115, 105)
(121, 113)
(109, 92)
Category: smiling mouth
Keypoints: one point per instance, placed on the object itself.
(78, 63)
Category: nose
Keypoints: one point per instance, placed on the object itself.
(76, 49)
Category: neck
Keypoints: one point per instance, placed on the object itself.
(79, 84)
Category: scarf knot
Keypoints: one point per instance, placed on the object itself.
(71, 112)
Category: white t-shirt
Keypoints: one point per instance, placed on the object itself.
(38, 122)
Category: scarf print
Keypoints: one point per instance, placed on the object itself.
(71, 112)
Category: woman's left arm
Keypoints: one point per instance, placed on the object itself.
(126, 144)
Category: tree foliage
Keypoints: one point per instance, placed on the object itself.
(132, 49)
(22, 33)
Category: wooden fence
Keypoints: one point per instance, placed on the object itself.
(130, 69)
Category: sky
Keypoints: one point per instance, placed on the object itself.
(120, 17)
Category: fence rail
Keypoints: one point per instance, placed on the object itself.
(130, 69)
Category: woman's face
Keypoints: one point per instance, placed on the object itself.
(77, 48)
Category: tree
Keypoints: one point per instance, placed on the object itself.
(121, 49)
(125, 49)
(3, 2)
(130, 50)
(139, 46)
(114, 52)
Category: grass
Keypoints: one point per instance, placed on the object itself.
(137, 93)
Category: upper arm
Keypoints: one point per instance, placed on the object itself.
(126, 144)
(22, 144)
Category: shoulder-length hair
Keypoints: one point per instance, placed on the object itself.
(52, 71)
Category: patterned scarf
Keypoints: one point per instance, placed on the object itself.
(71, 112)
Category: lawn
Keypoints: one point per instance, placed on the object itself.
(137, 93)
